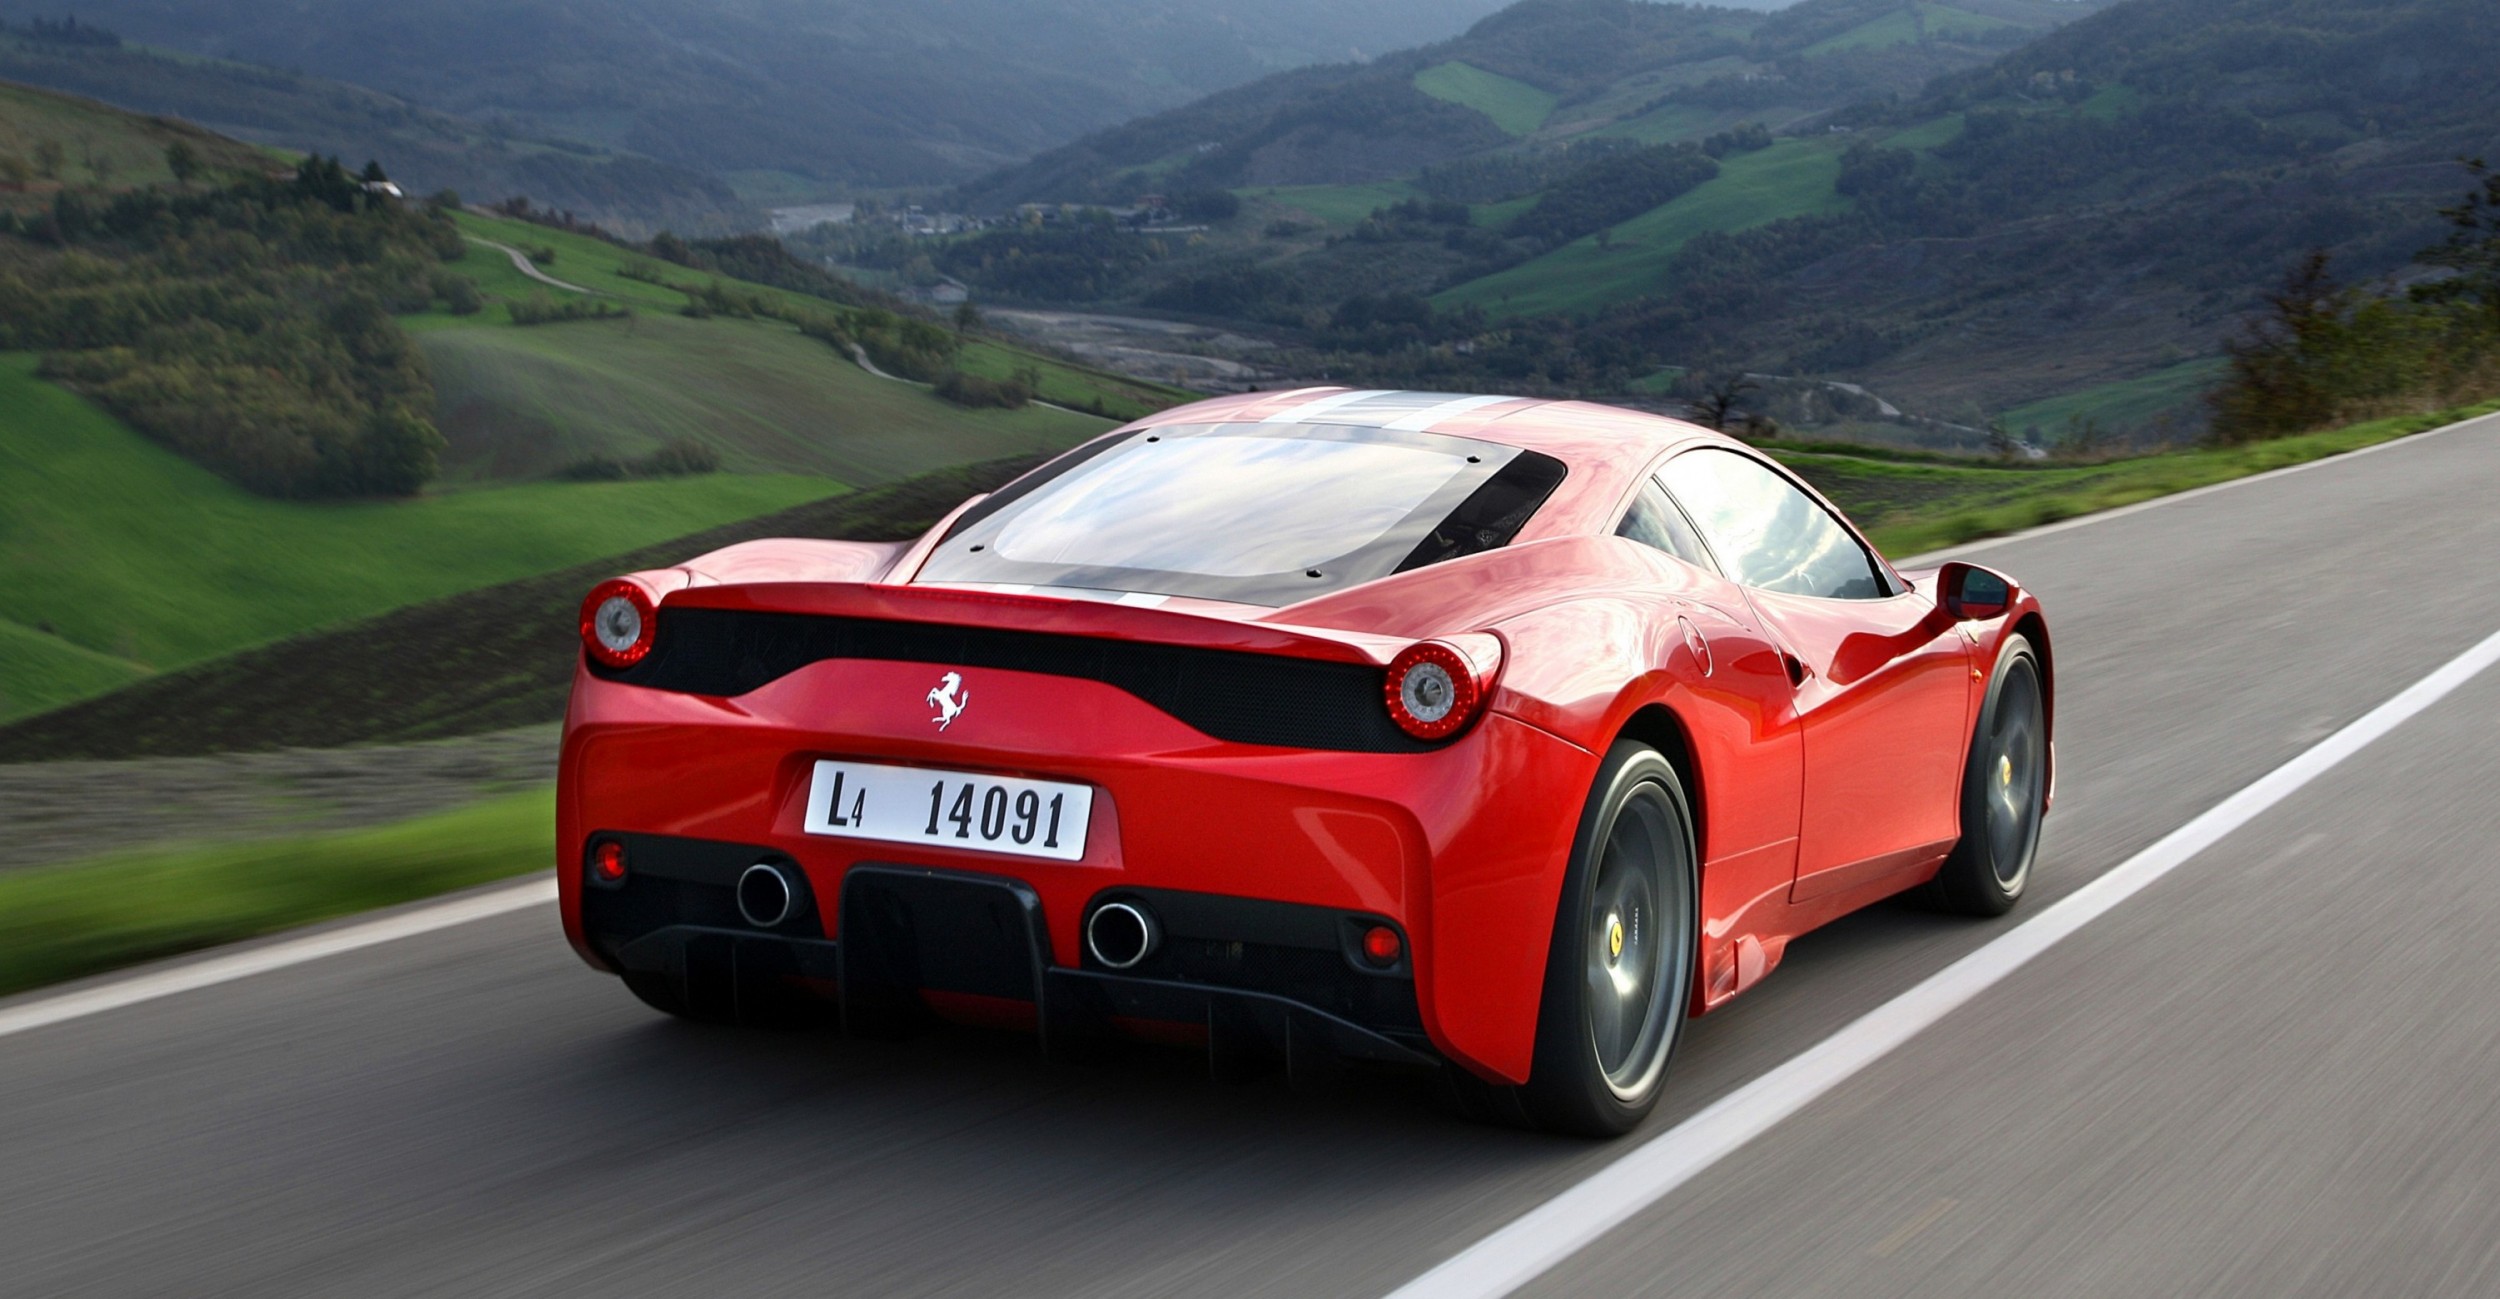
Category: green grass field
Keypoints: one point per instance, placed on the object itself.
(1903, 27)
(2126, 406)
(596, 265)
(1928, 135)
(1791, 178)
(516, 403)
(1514, 106)
(1667, 124)
(146, 561)
(105, 146)
(1910, 507)
(86, 917)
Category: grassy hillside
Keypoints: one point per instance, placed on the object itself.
(1789, 179)
(483, 660)
(1515, 106)
(598, 265)
(794, 95)
(424, 149)
(1540, 73)
(139, 560)
(526, 402)
(99, 145)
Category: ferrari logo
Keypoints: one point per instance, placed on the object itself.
(1614, 940)
(948, 697)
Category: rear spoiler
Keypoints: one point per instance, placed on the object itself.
(1062, 615)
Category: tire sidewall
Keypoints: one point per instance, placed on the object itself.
(1567, 1089)
(1976, 880)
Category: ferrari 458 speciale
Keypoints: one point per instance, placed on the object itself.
(1484, 734)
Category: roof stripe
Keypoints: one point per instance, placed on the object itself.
(1424, 419)
(1303, 413)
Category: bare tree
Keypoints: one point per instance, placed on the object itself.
(1721, 395)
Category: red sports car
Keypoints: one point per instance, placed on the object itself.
(1309, 727)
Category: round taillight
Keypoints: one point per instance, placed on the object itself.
(618, 622)
(607, 861)
(1381, 945)
(1432, 690)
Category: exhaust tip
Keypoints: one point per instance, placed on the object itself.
(1120, 934)
(766, 895)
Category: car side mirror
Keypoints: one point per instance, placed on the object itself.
(1970, 593)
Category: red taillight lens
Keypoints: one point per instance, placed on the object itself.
(618, 623)
(1381, 945)
(607, 861)
(1432, 690)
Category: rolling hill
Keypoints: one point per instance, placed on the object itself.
(426, 150)
(1973, 209)
(1541, 73)
(120, 558)
(789, 95)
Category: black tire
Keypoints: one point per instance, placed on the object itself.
(1619, 973)
(2004, 786)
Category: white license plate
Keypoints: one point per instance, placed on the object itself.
(950, 809)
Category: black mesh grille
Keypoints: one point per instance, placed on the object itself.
(1242, 697)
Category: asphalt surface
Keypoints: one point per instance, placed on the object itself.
(2271, 1073)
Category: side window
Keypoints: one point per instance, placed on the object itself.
(1769, 534)
(1653, 520)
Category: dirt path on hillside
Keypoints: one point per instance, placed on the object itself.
(522, 263)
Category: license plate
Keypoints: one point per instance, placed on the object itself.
(950, 809)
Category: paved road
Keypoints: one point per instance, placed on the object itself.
(2271, 1073)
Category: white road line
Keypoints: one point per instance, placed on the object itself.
(1934, 557)
(1546, 1235)
(276, 956)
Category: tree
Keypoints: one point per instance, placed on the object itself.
(373, 174)
(183, 161)
(1720, 397)
(49, 155)
(2472, 249)
(967, 318)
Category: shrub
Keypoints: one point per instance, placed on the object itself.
(977, 392)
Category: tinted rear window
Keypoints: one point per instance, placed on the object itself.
(1256, 513)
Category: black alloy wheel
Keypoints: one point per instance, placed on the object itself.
(2004, 790)
(1619, 975)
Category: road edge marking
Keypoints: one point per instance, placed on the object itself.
(80, 1003)
(1533, 1243)
(1934, 557)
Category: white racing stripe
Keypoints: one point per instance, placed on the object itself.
(1318, 406)
(1546, 1235)
(276, 956)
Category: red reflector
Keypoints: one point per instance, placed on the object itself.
(607, 861)
(1381, 945)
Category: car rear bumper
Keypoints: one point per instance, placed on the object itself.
(1253, 981)
(1460, 848)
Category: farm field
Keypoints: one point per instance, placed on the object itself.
(1791, 178)
(1515, 106)
(141, 561)
(1336, 205)
(597, 265)
(525, 402)
(2126, 406)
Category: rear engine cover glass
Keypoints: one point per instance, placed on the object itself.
(1256, 513)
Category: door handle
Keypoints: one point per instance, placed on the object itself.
(1797, 669)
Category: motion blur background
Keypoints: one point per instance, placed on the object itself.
(342, 347)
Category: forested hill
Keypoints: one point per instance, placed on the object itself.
(428, 151)
(865, 91)
(2092, 210)
(1541, 72)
